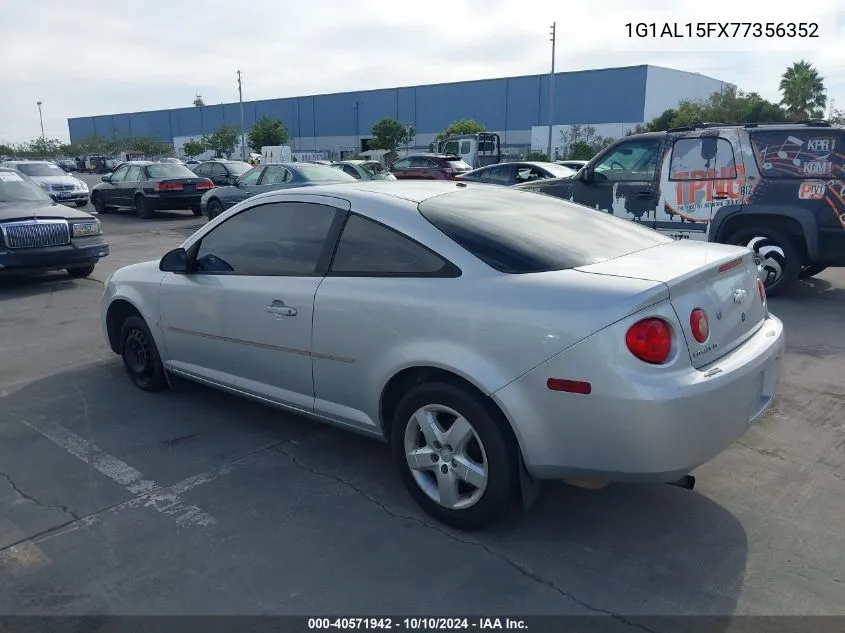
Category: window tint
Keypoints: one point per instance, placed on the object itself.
(285, 238)
(499, 173)
(275, 175)
(465, 147)
(800, 154)
(422, 161)
(631, 161)
(349, 169)
(217, 170)
(523, 232)
(402, 164)
(702, 158)
(250, 177)
(201, 170)
(371, 249)
(119, 174)
(134, 174)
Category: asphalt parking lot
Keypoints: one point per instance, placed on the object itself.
(116, 501)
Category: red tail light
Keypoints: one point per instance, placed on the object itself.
(761, 290)
(205, 185)
(169, 186)
(699, 325)
(650, 340)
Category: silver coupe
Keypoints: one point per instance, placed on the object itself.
(494, 338)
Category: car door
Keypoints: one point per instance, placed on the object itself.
(243, 189)
(110, 189)
(622, 180)
(274, 177)
(243, 317)
(401, 167)
(127, 188)
(355, 315)
(218, 175)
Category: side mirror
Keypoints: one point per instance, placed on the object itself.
(106, 178)
(176, 261)
(587, 173)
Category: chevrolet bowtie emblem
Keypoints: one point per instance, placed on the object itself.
(739, 295)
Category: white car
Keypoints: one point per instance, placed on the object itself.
(55, 182)
(493, 337)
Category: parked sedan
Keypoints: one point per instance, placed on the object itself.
(364, 169)
(572, 163)
(269, 178)
(429, 167)
(53, 179)
(492, 336)
(515, 173)
(39, 235)
(146, 187)
(222, 172)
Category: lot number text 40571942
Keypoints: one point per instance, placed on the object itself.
(722, 29)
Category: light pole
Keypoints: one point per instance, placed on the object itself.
(241, 101)
(357, 127)
(43, 138)
(552, 91)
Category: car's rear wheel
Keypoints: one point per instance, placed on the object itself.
(143, 208)
(215, 208)
(99, 205)
(80, 272)
(197, 210)
(811, 271)
(140, 355)
(453, 456)
(778, 260)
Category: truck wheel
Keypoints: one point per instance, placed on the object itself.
(778, 260)
(811, 271)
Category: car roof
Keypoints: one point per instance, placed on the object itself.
(31, 162)
(414, 191)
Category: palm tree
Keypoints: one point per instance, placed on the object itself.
(803, 91)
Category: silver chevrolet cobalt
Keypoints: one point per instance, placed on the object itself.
(494, 338)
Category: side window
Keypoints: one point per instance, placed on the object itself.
(702, 158)
(275, 175)
(466, 147)
(281, 239)
(500, 173)
(351, 171)
(120, 174)
(815, 153)
(634, 161)
(216, 170)
(250, 177)
(367, 248)
(200, 170)
(402, 164)
(451, 148)
(134, 174)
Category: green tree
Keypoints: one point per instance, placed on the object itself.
(837, 117)
(223, 140)
(538, 156)
(802, 91)
(6, 150)
(389, 134)
(464, 126)
(731, 107)
(148, 145)
(582, 142)
(194, 148)
(267, 131)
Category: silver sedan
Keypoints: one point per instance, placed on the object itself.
(494, 338)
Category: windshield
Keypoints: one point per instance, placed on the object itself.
(238, 168)
(323, 173)
(457, 163)
(40, 169)
(558, 171)
(17, 188)
(523, 232)
(169, 170)
(373, 168)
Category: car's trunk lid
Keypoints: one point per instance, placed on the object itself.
(717, 278)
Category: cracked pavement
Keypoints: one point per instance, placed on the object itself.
(115, 501)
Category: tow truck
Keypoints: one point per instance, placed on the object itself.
(477, 150)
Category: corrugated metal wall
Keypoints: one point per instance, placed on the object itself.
(505, 105)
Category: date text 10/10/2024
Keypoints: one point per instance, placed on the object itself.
(417, 624)
(723, 29)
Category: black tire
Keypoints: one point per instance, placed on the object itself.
(143, 208)
(140, 355)
(76, 273)
(81, 203)
(99, 205)
(215, 208)
(196, 210)
(491, 442)
(811, 271)
(777, 257)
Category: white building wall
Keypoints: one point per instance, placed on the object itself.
(666, 87)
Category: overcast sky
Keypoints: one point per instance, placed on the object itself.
(86, 57)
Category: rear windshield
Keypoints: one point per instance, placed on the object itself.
(525, 232)
(323, 173)
(238, 168)
(457, 162)
(169, 170)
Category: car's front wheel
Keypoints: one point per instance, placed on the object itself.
(215, 208)
(140, 355)
(453, 455)
(197, 210)
(99, 204)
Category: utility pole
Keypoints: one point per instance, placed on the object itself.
(241, 101)
(43, 138)
(552, 91)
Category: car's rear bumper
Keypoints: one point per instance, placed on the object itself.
(83, 252)
(636, 424)
(175, 200)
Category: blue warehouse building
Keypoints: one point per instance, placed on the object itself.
(611, 100)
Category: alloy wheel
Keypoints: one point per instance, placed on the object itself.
(446, 457)
(770, 259)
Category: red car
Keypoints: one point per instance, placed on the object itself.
(429, 167)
